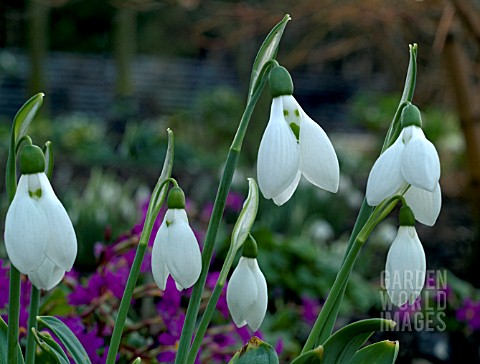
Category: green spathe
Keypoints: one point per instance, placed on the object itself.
(280, 82)
(32, 160)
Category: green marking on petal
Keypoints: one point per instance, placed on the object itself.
(35, 194)
(296, 130)
(297, 113)
(285, 112)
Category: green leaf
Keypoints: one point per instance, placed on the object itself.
(383, 352)
(247, 215)
(314, 356)
(3, 344)
(343, 344)
(255, 352)
(66, 337)
(25, 115)
(267, 52)
(51, 347)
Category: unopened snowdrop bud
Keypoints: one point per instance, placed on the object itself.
(410, 162)
(247, 289)
(293, 145)
(175, 249)
(255, 351)
(406, 264)
(39, 236)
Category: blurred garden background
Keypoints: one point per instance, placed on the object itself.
(118, 73)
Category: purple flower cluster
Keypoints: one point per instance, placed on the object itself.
(469, 313)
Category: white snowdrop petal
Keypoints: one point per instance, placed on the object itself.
(62, 245)
(242, 292)
(278, 154)
(184, 260)
(26, 231)
(405, 267)
(385, 178)
(318, 160)
(47, 276)
(283, 197)
(159, 267)
(425, 205)
(420, 161)
(257, 313)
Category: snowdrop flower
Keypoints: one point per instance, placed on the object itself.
(175, 249)
(410, 162)
(247, 289)
(406, 264)
(293, 145)
(39, 235)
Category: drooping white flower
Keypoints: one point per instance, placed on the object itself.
(405, 268)
(247, 294)
(293, 145)
(39, 236)
(411, 160)
(175, 250)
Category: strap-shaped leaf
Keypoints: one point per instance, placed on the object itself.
(3, 344)
(383, 352)
(314, 356)
(51, 347)
(267, 52)
(344, 343)
(66, 336)
(25, 115)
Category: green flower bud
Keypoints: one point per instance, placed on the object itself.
(280, 82)
(410, 116)
(255, 352)
(176, 198)
(250, 249)
(32, 160)
(406, 216)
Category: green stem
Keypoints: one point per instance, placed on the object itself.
(217, 213)
(212, 303)
(32, 323)
(336, 293)
(156, 201)
(13, 314)
(127, 295)
(14, 289)
(324, 324)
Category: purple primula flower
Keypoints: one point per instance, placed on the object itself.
(470, 313)
(310, 309)
(94, 344)
(222, 306)
(234, 202)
